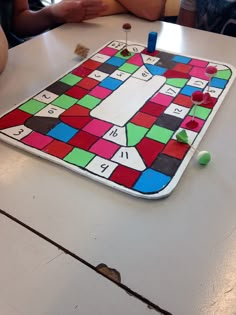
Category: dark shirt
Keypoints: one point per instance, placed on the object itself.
(6, 22)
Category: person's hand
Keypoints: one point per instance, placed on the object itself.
(68, 11)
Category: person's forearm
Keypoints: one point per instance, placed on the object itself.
(113, 7)
(30, 23)
(3, 50)
(151, 10)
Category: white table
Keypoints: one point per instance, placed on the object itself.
(178, 252)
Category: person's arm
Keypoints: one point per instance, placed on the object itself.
(147, 9)
(113, 7)
(187, 13)
(27, 23)
(3, 50)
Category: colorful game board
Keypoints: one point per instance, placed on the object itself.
(114, 118)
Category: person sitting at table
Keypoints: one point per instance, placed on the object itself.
(3, 50)
(218, 16)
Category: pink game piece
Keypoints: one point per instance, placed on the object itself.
(210, 71)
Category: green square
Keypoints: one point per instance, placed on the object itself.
(201, 112)
(128, 67)
(64, 101)
(89, 101)
(160, 134)
(32, 106)
(223, 74)
(124, 57)
(79, 157)
(71, 79)
(179, 83)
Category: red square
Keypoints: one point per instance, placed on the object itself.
(15, 118)
(76, 92)
(76, 110)
(210, 104)
(176, 149)
(58, 149)
(149, 150)
(153, 109)
(143, 120)
(125, 176)
(88, 83)
(91, 64)
(183, 100)
(82, 72)
(83, 140)
(182, 68)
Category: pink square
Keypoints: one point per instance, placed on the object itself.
(198, 73)
(188, 119)
(100, 92)
(97, 127)
(108, 51)
(136, 60)
(162, 99)
(104, 148)
(199, 63)
(36, 140)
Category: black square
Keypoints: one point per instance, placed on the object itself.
(168, 121)
(105, 67)
(166, 60)
(166, 164)
(58, 88)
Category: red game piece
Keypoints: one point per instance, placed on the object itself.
(197, 99)
(210, 72)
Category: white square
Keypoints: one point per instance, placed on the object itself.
(17, 132)
(150, 59)
(143, 74)
(199, 83)
(120, 75)
(45, 97)
(100, 57)
(50, 111)
(98, 75)
(177, 110)
(117, 45)
(101, 167)
(214, 92)
(169, 90)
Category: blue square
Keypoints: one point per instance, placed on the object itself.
(116, 61)
(151, 181)
(218, 83)
(155, 70)
(188, 90)
(111, 83)
(182, 59)
(62, 132)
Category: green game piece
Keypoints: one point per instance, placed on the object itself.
(160, 134)
(79, 157)
(89, 101)
(204, 157)
(182, 136)
(71, 79)
(64, 101)
(128, 67)
(135, 134)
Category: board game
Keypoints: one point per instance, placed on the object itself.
(114, 118)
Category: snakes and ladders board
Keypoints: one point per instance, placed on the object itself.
(114, 118)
